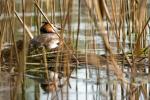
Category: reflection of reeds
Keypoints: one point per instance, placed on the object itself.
(124, 19)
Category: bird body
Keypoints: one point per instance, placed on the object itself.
(50, 40)
(48, 37)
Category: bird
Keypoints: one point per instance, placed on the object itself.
(8, 52)
(49, 37)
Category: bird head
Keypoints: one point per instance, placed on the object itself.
(48, 28)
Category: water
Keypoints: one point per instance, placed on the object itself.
(90, 88)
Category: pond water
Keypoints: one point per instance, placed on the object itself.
(89, 88)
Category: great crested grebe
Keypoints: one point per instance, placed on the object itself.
(48, 37)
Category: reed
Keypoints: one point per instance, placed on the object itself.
(121, 24)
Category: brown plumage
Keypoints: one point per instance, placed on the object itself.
(46, 28)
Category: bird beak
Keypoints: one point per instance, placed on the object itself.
(59, 28)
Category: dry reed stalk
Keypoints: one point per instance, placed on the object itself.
(116, 21)
(139, 24)
(119, 18)
(122, 27)
(78, 29)
(3, 27)
(37, 18)
(144, 91)
(10, 11)
(116, 68)
(25, 26)
(149, 59)
(23, 58)
(53, 11)
(1, 41)
(86, 65)
(137, 49)
(45, 63)
(139, 21)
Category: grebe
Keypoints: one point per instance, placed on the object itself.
(48, 37)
